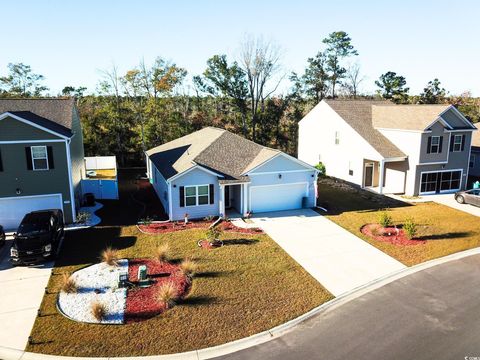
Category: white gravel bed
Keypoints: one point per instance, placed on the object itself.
(102, 278)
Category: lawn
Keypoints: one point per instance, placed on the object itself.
(245, 287)
(445, 230)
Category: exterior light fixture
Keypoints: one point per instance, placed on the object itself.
(279, 176)
(18, 191)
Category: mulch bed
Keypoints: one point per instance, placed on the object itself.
(395, 236)
(172, 226)
(141, 303)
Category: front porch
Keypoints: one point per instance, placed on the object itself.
(233, 199)
(385, 176)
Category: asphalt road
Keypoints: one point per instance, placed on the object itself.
(433, 314)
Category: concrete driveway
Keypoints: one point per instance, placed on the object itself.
(339, 260)
(20, 297)
(449, 200)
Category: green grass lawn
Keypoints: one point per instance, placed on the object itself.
(247, 286)
(446, 230)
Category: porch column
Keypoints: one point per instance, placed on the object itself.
(245, 205)
(221, 201)
(382, 176)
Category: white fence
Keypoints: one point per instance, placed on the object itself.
(100, 162)
(101, 188)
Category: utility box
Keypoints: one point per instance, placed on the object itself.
(142, 276)
(122, 279)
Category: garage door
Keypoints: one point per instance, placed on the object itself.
(277, 198)
(12, 210)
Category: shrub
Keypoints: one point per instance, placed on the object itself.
(98, 310)
(385, 219)
(146, 221)
(83, 217)
(188, 267)
(376, 231)
(321, 167)
(167, 294)
(162, 252)
(69, 285)
(214, 233)
(410, 228)
(110, 256)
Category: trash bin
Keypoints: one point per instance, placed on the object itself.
(476, 185)
(89, 199)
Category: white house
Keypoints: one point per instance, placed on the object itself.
(388, 148)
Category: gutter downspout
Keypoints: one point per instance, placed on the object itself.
(382, 176)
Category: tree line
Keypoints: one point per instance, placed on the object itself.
(155, 103)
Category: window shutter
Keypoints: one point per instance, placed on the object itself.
(28, 155)
(440, 146)
(463, 142)
(182, 196)
(429, 144)
(1, 164)
(452, 139)
(51, 164)
(212, 194)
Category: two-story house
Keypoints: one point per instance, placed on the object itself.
(388, 148)
(41, 158)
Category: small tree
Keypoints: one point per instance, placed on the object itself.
(213, 234)
(410, 228)
(385, 219)
(321, 167)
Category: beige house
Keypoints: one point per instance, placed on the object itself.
(388, 148)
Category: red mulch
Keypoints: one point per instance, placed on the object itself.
(194, 224)
(141, 303)
(390, 235)
(205, 244)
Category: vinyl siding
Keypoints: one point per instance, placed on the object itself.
(437, 130)
(15, 130)
(77, 157)
(475, 171)
(160, 185)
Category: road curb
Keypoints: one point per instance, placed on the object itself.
(265, 336)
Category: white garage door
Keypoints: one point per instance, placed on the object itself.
(277, 198)
(12, 210)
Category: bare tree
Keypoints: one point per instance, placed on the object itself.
(353, 78)
(260, 60)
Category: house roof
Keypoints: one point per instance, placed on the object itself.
(215, 149)
(476, 136)
(406, 117)
(53, 114)
(358, 114)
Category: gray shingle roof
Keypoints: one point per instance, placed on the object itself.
(54, 114)
(215, 149)
(358, 114)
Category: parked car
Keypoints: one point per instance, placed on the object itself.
(2, 236)
(37, 237)
(468, 197)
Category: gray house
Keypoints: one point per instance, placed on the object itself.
(41, 158)
(212, 171)
(388, 148)
(475, 156)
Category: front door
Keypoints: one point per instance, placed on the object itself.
(227, 197)
(368, 175)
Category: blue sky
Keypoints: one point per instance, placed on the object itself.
(70, 42)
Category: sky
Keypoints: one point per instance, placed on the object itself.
(71, 42)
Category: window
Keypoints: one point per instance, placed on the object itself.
(39, 157)
(197, 195)
(471, 164)
(337, 138)
(429, 182)
(457, 143)
(440, 181)
(434, 145)
(450, 180)
(350, 168)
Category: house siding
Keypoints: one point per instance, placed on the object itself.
(475, 170)
(16, 175)
(160, 185)
(14, 130)
(77, 158)
(194, 177)
(437, 129)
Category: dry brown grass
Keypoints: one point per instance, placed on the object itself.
(110, 256)
(162, 252)
(188, 267)
(69, 285)
(167, 294)
(98, 310)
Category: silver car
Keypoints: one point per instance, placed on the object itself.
(468, 197)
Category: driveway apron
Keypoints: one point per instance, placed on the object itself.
(339, 260)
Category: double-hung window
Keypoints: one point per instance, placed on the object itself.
(197, 195)
(457, 143)
(39, 157)
(337, 138)
(435, 145)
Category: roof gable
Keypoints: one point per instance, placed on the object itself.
(14, 128)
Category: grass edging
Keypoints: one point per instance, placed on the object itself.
(265, 336)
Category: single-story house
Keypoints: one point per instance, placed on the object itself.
(212, 171)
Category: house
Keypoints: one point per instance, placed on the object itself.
(41, 158)
(388, 148)
(210, 171)
(474, 173)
